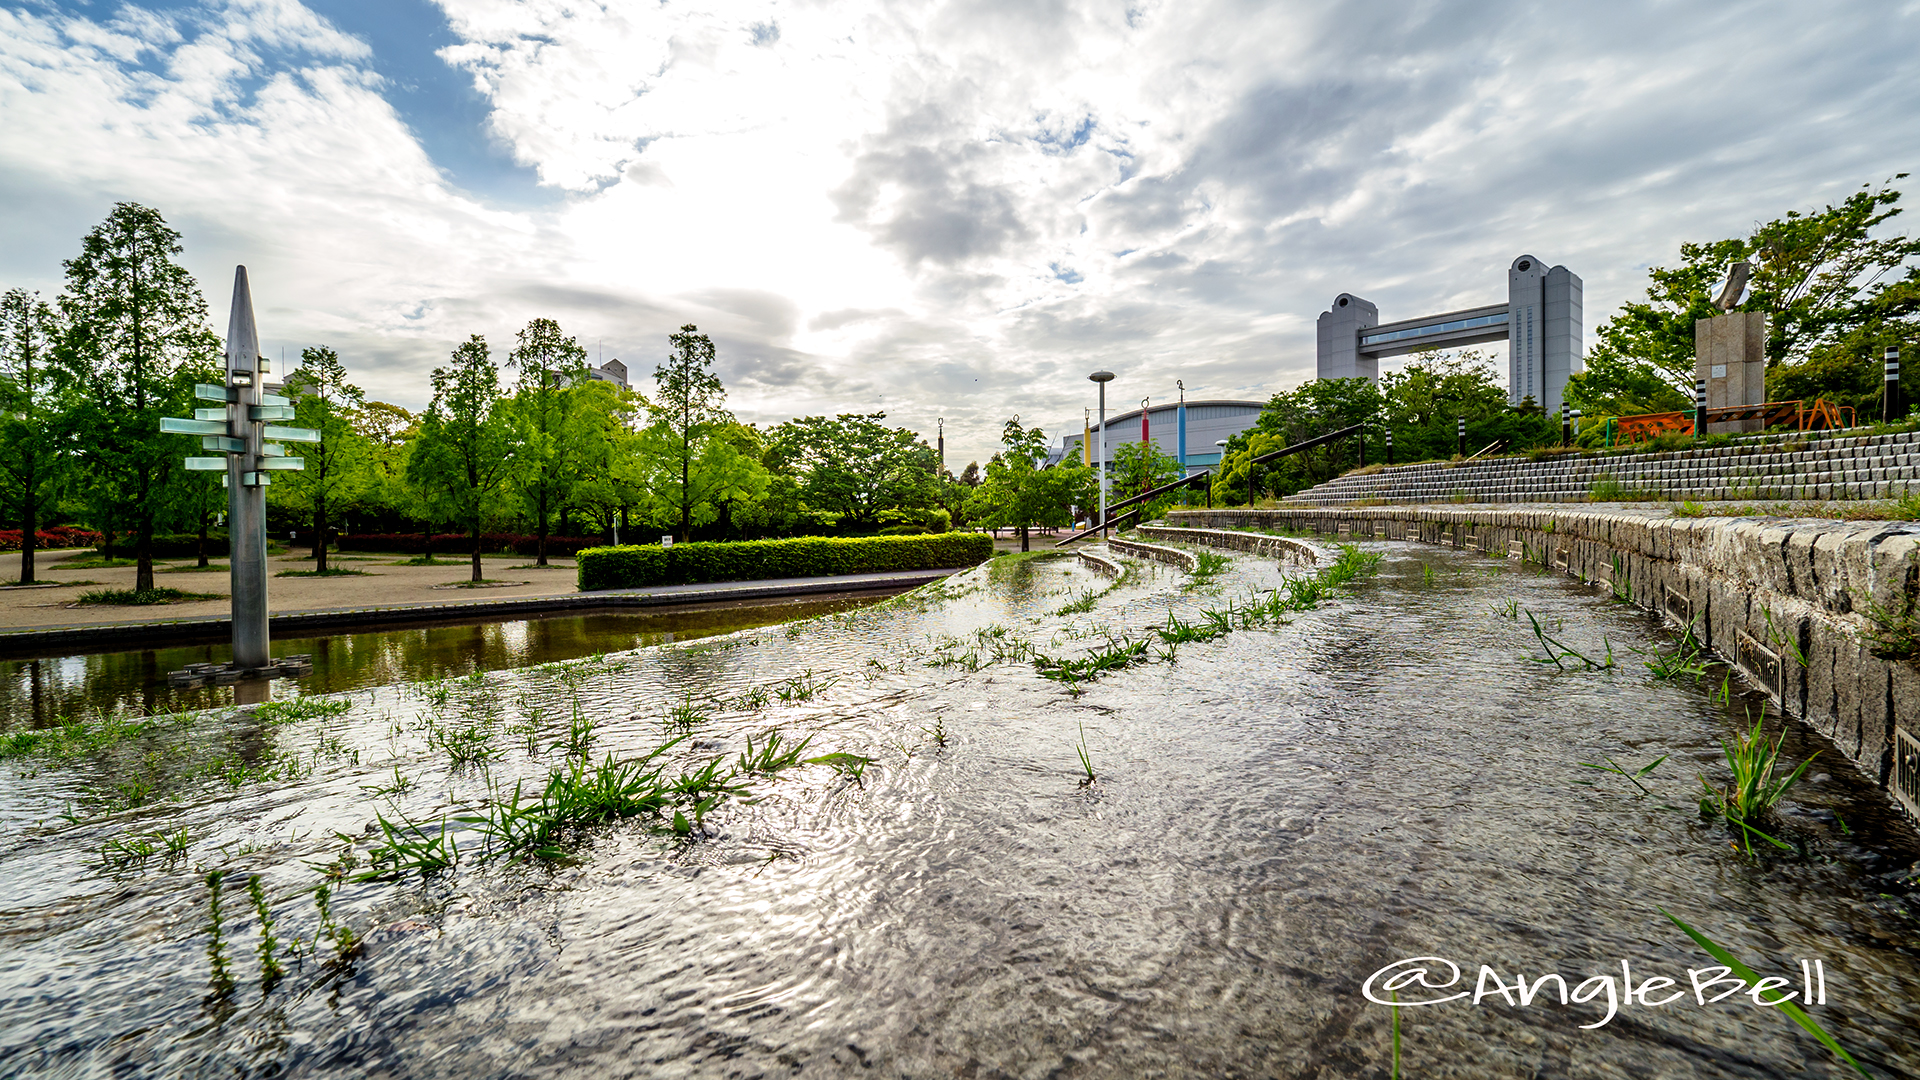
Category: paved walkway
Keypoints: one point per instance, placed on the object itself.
(386, 593)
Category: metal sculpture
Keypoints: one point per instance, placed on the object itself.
(239, 429)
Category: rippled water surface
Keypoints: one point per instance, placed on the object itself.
(39, 692)
(1278, 814)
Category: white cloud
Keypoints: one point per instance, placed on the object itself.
(956, 209)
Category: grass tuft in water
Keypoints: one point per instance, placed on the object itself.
(1687, 659)
(221, 972)
(1086, 759)
(851, 766)
(771, 757)
(938, 732)
(1211, 565)
(1774, 997)
(802, 687)
(1633, 777)
(1560, 655)
(1751, 795)
(686, 715)
(297, 709)
(270, 969)
(406, 847)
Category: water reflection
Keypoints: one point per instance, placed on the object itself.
(42, 692)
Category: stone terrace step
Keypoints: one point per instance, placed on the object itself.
(1770, 467)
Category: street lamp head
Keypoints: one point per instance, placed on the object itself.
(1220, 442)
(1101, 376)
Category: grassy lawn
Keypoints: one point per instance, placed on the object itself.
(144, 596)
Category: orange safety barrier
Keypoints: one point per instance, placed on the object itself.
(1802, 415)
(1632, 429)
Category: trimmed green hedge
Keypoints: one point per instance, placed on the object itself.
(635, 565)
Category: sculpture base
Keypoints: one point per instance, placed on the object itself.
(286, 667)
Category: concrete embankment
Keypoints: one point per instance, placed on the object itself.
(1820, 614)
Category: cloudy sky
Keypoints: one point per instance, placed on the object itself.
(933, 208)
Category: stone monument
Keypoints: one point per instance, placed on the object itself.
(1730, 356)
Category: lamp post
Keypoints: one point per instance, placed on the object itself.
(1566, 424)
(1460, 436)
(1389, 444)
(1103, 378)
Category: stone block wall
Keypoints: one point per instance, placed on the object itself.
(1788, 602)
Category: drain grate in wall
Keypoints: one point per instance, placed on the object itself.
(1516, 549)
(1763, 665)
(1562, 558)
(1678, 605)
(1346, 530)
(1905, 781)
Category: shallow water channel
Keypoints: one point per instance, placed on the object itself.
(1278, 814)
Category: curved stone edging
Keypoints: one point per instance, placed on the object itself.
(1184, 559)
(1281, 547)
(1765, 594)
(1100, 564)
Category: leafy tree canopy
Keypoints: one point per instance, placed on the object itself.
(1830, 287)
(855, 465)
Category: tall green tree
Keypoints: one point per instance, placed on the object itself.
(30, 461)
(339, 469)
(1018, 494)
(136, 341)
(1142, 466)
(690, 469)
(563, 417)
(1831, 290)
(465, 451)
(856, 466)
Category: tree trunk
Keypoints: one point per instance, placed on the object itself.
(541, 548)
(1023, 538)
(426, 541)
(143, 555)
(566, 521)
(29, 538)
(200, 548)
(320, 536)
(476, 550)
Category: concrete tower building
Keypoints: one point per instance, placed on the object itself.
(1540, 323)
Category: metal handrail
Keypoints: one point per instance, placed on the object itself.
(1309, 444)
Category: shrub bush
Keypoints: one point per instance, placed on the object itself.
(635, 565)
(165, 545)
(462, 543)
(60, 536)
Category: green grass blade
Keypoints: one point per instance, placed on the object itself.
(1795, 1012)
